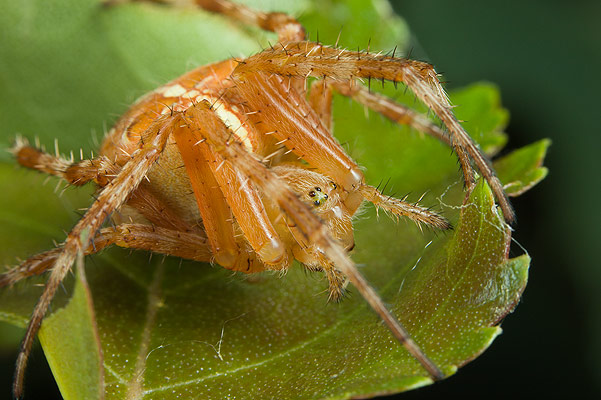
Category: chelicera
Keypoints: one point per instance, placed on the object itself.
(235, 163)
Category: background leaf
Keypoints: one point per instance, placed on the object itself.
(171, 328)
(83, 353)
(523, 168)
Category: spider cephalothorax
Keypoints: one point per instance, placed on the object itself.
(235, 163)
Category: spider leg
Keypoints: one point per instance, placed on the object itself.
(401, 208)
(392, 110)
(191, 246)
(404, 115)
(216, 215)
(100, 170)
(210, 175)
(285, 114)
(287, 28)
(109, 199)
(316, 261)
(303, 59)
(320, 99)
(204, 123)
(248, 210)
(35, 265)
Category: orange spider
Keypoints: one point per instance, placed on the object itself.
(271, 184)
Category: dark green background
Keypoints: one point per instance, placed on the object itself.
(545, 56)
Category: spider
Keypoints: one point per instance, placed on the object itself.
(252, 140)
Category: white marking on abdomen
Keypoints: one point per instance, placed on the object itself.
(175, 90)
(229, 114)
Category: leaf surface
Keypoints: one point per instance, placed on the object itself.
(522, 168)
(171, 328)
(82, 354)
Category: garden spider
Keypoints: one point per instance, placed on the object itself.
(252, 128)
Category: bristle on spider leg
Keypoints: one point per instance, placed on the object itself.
(338, 38)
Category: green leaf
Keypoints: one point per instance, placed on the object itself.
(82, 353)
(479, 105)
(172, 328)
(522, 169)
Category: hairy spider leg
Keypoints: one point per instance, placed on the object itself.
(34, 265)
(284, 113)
(287, 28)
(100, 170)
(204, 123)
(216, 214)
(303, 59)
(156, 239)
(320, 99)
(389, 108)
(250, 213)
(111, 197)
(188, 245)
(210, 176)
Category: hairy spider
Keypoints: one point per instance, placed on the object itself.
(254, 144)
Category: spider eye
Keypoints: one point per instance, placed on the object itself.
(318, 197)
(334, 186)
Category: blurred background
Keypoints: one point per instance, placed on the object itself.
(545, 56)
